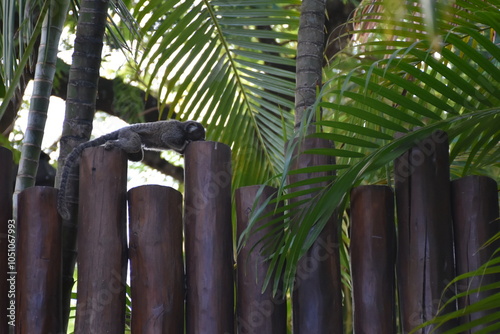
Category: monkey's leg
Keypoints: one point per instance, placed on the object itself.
(176, 143)
(128, 141)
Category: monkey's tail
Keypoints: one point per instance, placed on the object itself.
(62, 204)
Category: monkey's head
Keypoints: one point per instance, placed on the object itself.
(194, 131)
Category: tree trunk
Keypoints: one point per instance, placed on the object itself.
(77, 127)
(309, 56)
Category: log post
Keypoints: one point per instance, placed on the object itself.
(475, 208)
(425, 241)
(6, 188)
(373, 256)
(39, 259)
(156, 264)
(257, 311)
(102, 258)
(317, 299)
(208, 239)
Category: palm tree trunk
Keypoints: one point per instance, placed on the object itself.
(310, 46)
(77, 127)
(42, 87)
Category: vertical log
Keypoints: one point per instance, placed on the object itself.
(209, 246)
(6, 188)
(102, 258)
(317, 300)
(156, 265)
(257, 311)
(475, 208)
(39, 258)
(425, 243)
(373, 256)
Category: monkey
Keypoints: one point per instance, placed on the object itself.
(157, 136)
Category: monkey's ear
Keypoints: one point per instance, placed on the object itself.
(191, 126)
(195, 130)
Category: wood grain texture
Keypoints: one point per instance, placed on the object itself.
(425, 241)
(475, 209)
(102, 257)
(208, 239)
(373, 259)
(38, 299)
(257, 311)
(156, 264)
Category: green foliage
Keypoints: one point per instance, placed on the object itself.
(229, 65)
(391, 81)
(128, 100)
(17, 52)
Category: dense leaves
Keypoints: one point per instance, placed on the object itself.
(229, 65)
(393, 80)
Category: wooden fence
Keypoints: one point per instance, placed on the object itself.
(192, 286)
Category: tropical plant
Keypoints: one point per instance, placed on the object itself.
(44, 75)
(393, 79)
(229, 64)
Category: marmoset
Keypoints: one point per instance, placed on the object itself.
(157, 136)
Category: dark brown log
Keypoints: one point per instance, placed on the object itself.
(475, 208)
(102, 258)
(317, 299)
(257, 311)
(156, 265)
(6, 189)
(209, 246)
(373, 256)
(38, 299)
(425, 243)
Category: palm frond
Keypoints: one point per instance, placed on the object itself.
(229, 65)
(18, 43)
(392, 81)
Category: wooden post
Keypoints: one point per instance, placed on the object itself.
(425, 245)
(102, 258)
(475, 208)
(373, 256)
(317, 299)
(257, 311)
(156, 265)
(6, 188)
(209, 246)
(38, 300)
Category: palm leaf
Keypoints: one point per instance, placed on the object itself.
(229, 65)
(396, 82)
